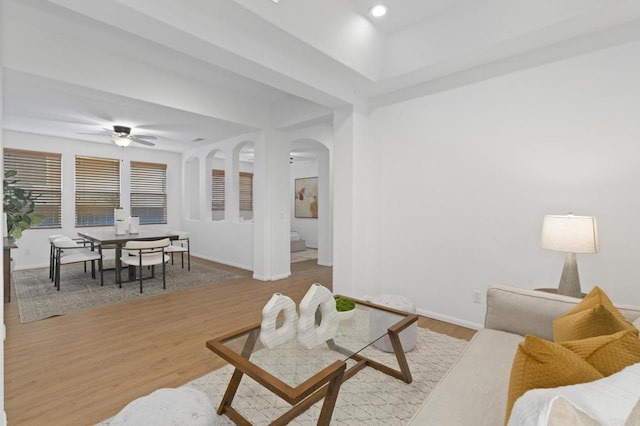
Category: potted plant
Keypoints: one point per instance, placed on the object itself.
(19, 206)
(346, 307)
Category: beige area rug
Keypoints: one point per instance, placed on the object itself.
(38, 299)
(368, 398)
(301, 256)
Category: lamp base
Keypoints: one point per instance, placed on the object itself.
(569, 280)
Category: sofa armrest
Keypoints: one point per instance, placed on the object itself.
(523, 311)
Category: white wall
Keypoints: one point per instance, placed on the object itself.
(33, 248)
(459, 182)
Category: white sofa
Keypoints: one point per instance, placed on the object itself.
(474, 391)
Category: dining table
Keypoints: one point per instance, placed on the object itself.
(107, 238)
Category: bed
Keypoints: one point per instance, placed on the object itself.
(297, 242)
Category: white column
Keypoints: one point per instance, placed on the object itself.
(349, 253)
(232, 185)
(325, 209)
(271, 207)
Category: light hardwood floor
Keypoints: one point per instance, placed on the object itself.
(82, 368)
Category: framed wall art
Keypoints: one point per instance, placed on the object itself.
(306, 197)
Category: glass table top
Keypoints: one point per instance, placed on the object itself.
(293, 364)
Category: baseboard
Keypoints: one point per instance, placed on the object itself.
(275, 278)
(450, 319)
(325, 264)
(224, 262)
(281, 276)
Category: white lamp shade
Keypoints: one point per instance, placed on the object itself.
(570, 234)
(122, 141)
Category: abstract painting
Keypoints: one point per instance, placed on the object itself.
(306, 197)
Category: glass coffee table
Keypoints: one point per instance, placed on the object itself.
(303, 376)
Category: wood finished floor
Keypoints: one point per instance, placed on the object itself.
(82, 368)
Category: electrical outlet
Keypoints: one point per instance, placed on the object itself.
(476, 296)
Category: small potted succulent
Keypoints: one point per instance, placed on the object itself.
(346, 308)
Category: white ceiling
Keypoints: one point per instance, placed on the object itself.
(214, 69)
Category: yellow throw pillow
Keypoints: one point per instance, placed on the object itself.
(597, 296)
(572, 326)
(591, 322)
(542, 364)
(608, 354)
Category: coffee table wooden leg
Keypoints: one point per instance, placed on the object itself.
(232, 388)
(230, 393)
(330, 400)
(400, 356)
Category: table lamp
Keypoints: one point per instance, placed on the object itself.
(570, 234)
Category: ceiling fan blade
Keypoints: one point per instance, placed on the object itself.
(97, 134)
(145, 137)
(141, 141)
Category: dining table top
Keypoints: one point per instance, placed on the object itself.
(104, 236)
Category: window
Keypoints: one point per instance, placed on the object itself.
(217, 194)
(97, 190)
(149, 192)
(246, 192)
(39, 172)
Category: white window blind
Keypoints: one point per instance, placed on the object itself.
(246, 191)
(40, 173)
(217, 190)
(149, 192)
(97, 190)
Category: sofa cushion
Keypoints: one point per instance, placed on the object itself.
(610, 401)
(594, 316)
(542, 364)
(608, 354)
(477, 382)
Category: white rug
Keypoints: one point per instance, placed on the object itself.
(301, 256)
(370, 397)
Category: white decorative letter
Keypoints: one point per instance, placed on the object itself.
(308, 334)
(270, 336)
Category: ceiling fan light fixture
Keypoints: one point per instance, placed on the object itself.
(122, 141)
(378, 10)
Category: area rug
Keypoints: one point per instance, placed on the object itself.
(38, 299)
(306, 254)
(368, 398)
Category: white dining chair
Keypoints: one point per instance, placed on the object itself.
(180, 245)
(68, 251)
(146, 253)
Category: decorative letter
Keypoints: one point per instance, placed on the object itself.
(270, 336)
(308, 334)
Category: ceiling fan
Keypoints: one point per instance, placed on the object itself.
(121, 136)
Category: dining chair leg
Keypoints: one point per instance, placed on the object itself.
(140, 273)
(164, 275)
(51, 261)
(188, 256)
(57, 278)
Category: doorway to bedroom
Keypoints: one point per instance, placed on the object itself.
(310, 211)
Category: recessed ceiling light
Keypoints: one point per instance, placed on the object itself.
(275, 1)
(378, 10)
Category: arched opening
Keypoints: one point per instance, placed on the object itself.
(310, 208)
